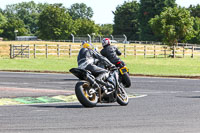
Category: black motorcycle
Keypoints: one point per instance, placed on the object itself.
(89, 90)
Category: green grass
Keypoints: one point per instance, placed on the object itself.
(139, 65)
(164, 66)
(60, 65)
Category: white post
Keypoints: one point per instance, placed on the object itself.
(112, 37)
(89, 37)
(125, 38)
(99, 38)
(72, 38)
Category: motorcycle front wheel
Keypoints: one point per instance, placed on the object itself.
(83, 95)
(122, 97)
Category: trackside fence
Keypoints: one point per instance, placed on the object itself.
(63, 50)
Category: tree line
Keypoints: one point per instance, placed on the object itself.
(146, 20)
(49, 21)
(158, 20)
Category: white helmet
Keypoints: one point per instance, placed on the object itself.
(105, 42)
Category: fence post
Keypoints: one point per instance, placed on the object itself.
(183, 51)
(58, 50)
(70, 50)
(174, 51)
(154, 51)
(46, 51)
(135, 51)
(21, 50)
(28, 51)
(145, 50)
(11, 51)
(124, 51)
(192, 52)
(34, 50)
(165, 52)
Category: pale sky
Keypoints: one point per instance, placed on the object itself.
(102, 8)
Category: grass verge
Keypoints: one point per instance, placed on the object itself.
(139, 65)
(164, 66)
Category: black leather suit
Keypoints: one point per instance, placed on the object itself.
(112, 53)
(88, 58)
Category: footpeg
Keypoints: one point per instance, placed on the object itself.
(92, 91)
(108, 92)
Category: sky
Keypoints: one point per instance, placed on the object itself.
(102, 8)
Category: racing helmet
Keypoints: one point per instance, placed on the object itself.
(85, 44)
(105, 42)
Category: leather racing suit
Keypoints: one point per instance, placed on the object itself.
(111, 53)
(88, 59)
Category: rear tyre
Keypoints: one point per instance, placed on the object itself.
(83, 95)
(122, 97)
(126, 81)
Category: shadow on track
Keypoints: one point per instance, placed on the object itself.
(189, 96)
(71, 79)
(64, 80)
(57, 106)
(71, 106)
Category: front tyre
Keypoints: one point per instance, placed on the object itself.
(83, 95)
(122, 97)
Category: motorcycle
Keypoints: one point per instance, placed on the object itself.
(89, 89)
(124, 74)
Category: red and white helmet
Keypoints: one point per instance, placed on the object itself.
(105, 42)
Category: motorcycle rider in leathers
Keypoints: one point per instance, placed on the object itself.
(111, 52)
(88, 58)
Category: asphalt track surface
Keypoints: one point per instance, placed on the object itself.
(171, 106)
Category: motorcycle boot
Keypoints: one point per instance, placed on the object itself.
(104, 89)
(110, 87)
(102, 77)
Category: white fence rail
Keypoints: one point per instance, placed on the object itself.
(69, 50)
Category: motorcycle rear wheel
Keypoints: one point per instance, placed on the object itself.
(126, 81)
(122, 97)
(83, 95)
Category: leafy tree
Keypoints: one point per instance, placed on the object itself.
(11, 25)
(80, 11)
(1, 11)
(2, 22)
(126, 20)
(195, 10)
(196, 27)
(55, 23)
(26, 11)
(174, 24)
(148, 10)
(106, 29)
(86, 27)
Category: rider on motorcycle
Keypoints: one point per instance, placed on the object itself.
(111, 52)
(88, 58)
